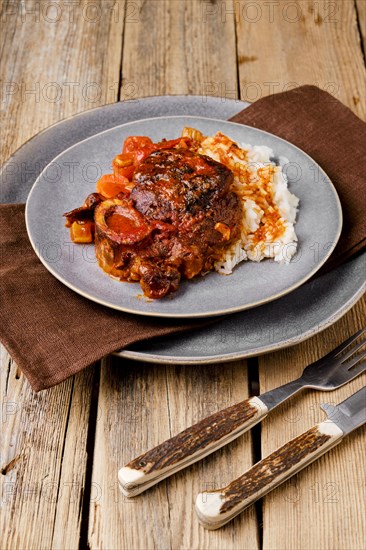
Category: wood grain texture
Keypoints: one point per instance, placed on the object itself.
(286, 44)
(323, 492)
(50, 69)
(43, 460)
(361, 17)
(140, 406)
(180, 48)
(62, 62)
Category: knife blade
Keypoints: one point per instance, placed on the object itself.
(350, 414)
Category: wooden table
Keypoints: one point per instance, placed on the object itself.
(61, 448)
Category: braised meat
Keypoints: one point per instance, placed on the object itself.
(177, 221)
(173, 183)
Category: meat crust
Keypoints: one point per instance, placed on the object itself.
(173, 182)
(181, 214)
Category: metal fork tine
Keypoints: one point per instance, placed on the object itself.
(344, 345)
(356, 359)
(353, 350)
(360, 367)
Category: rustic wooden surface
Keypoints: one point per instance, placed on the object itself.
(61, 449)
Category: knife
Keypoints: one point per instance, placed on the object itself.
(216, 508)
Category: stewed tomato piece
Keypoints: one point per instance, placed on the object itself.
(139, 146)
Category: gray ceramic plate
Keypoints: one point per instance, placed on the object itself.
(72, 175)
(311, 308)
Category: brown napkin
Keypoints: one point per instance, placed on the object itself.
(52, 332)
(49, 330)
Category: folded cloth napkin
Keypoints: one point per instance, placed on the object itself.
(52, 332)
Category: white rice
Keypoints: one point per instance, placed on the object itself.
(263, 191)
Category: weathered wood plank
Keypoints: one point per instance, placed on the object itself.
(194, 393)
(71, 484)
(63, 61)
(51, 70)
(361, 16)
(139, 407)
(43, 457)
(286, 44)
(131, 416)
(179, 48)
(323, 506)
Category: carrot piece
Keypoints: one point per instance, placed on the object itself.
(82, 232)
(109, 186)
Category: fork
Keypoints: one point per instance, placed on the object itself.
(213, 432)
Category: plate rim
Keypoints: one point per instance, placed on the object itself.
(93, 110)
(185, 315)
(236, 356)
